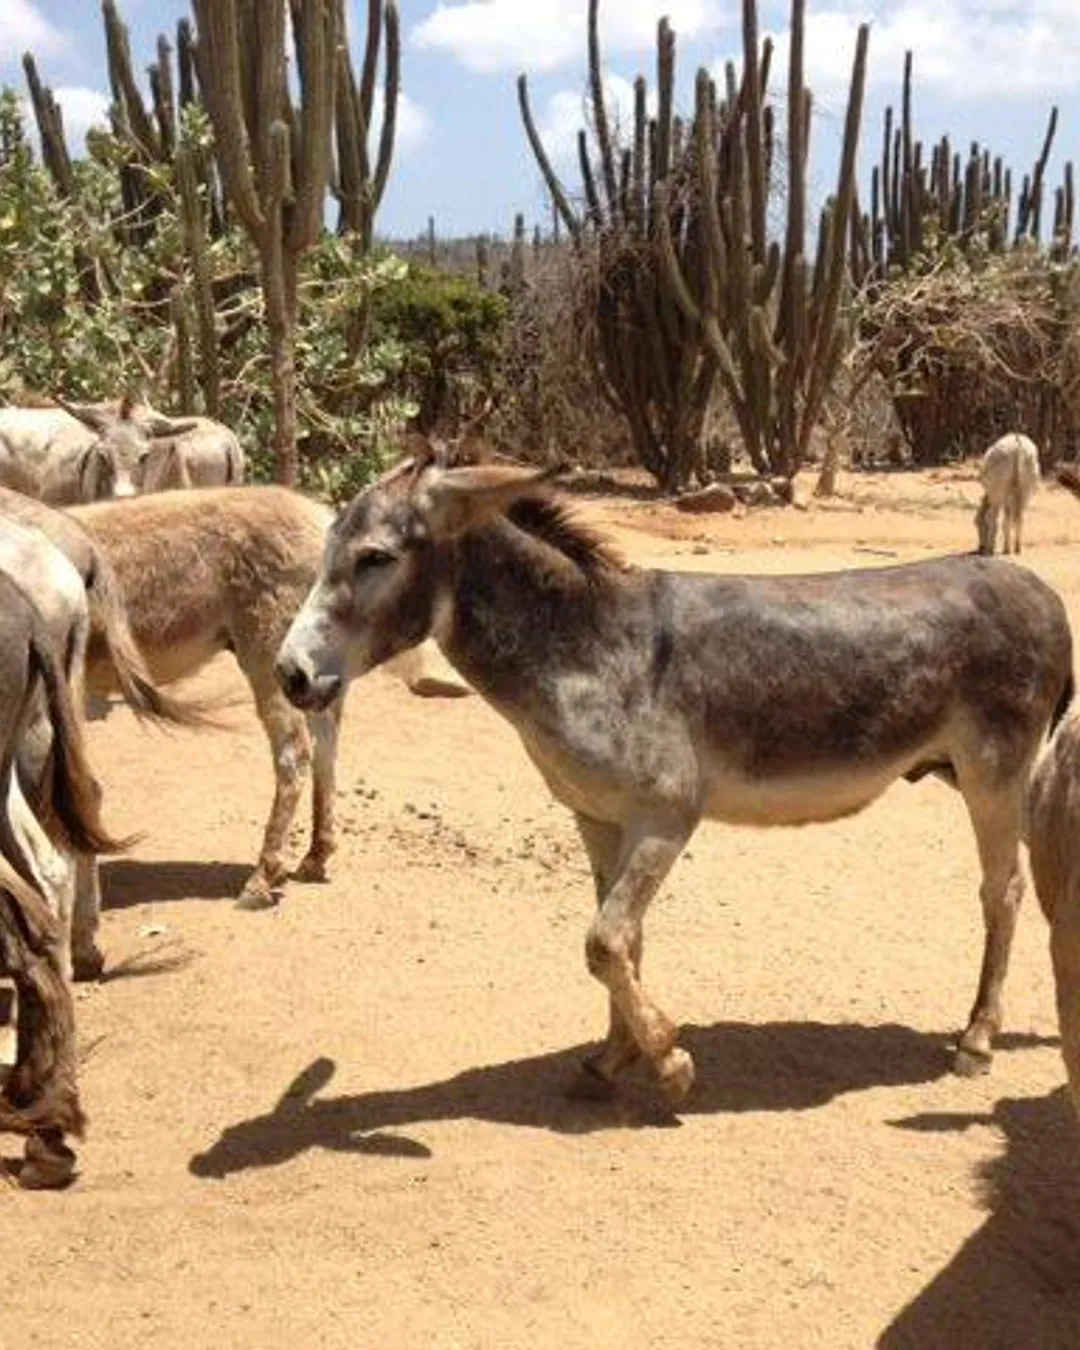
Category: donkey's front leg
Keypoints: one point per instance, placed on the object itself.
(291, 750)
(613, 953)
(603, 843)
(324, 728)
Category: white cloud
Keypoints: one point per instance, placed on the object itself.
(412, 126)
(568, 111)
(962, 48)
(82, 109)
(494, 35)
(24, 28)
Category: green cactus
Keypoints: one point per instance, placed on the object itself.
(359, 185)
(691, 290)
(273, 158)
(193, 226)
(966, 202)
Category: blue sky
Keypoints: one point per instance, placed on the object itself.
(984, 69)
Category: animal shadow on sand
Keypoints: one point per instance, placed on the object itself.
(133, 881)
(1015, 1283)
(742, 1066)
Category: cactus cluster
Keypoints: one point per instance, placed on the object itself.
(690, 289)
(917, 206)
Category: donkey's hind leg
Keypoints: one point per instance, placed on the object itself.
(996, 820)
(290, 747)
(613, 947)
(324, 729)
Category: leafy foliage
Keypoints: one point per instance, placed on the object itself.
(448, 331)
(85, 315)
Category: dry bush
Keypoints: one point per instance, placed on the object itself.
(975, 346)
(550, 405)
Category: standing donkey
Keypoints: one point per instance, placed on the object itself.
(649, 699)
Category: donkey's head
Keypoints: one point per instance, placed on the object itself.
(125, 439)
(385, 557)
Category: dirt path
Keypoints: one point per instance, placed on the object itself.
(341, 1123)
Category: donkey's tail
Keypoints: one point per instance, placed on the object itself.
(109, 618)
(40, 1091)
(73, 790)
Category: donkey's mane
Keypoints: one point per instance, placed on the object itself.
(555, 522)
(541, 513)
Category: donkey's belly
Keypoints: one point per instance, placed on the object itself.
(803, 798)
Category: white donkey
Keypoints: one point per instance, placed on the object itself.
(1010, 475)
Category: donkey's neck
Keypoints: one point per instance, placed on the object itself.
(513, 612)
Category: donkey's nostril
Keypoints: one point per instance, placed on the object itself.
(292, 678)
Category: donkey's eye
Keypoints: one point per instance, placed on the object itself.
(370, 558)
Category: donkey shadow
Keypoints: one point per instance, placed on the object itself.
(1016, 1282)
(778, 1066)
(132, 881)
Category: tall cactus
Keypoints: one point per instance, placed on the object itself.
(777, 350)
(192, 223)
(359, 184)
(691, 289)
(273, 158)
(650, 360)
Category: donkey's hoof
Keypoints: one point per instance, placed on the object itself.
(312, 868)
(89, 966)
(590, 1083)
(676, 1071)
(258, 894)
(48, 1165)
(971, 1063)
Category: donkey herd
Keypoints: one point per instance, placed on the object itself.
(131, 553)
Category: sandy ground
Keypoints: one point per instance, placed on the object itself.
(342, 1123)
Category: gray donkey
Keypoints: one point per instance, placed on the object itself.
(650, 699)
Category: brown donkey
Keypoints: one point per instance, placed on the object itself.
(38, 1095)
(1054, 849)
(651, 699)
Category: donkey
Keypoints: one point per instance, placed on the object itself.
(224, 569)
(77, 452)
(108, 615)
(650, 699)
(1009, 475)
(207, 456)
(39, 1095)
(47, 577)
(1054, 851)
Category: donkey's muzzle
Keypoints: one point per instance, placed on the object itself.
(311, 693)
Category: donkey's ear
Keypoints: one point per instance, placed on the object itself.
(454, 501)
(168, 426)
(97, 419)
